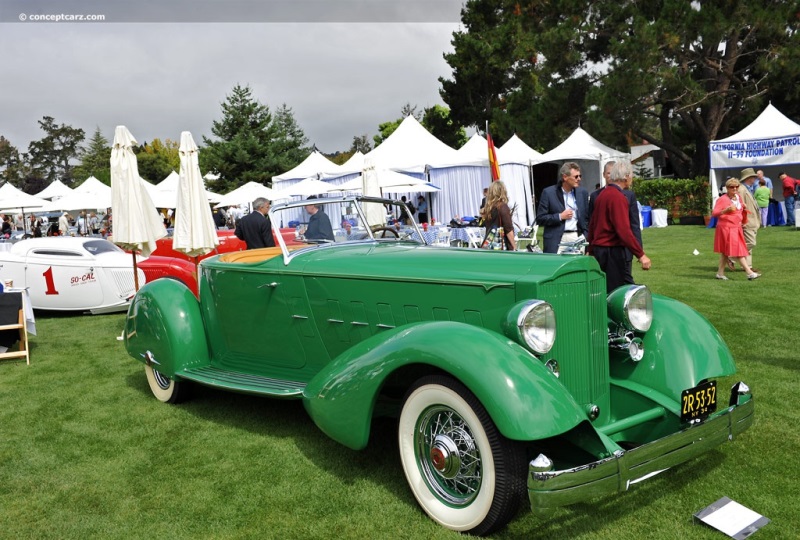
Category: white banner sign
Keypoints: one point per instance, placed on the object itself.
(763, 152)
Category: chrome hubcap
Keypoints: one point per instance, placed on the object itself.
(448, 456)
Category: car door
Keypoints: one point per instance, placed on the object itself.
(253, 323)
(62, 278)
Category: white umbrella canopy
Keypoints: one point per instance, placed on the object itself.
(13, 198)
(245, 194)
(195, 233)
(304, 188)
(137, 224)
(392, 181)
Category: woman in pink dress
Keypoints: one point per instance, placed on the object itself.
(728, 238)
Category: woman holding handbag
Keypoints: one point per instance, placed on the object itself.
(729, 242)
(496, 214)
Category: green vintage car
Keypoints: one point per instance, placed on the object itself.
(513, 376)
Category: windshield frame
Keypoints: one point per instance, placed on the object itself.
(357, 201)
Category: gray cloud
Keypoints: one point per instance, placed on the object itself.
(340, 79)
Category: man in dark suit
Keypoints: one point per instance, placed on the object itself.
(563, 209)
(255, 228)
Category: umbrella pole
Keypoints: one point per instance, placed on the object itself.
(135, 272)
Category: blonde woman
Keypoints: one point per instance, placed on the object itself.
(496, 213)
(729, 241)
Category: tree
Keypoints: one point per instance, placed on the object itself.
(156, 160)
(360, 144)
(51, 157)
(95, 159)
(250, 145)
(11, 162)
(677, 73)
(437, 120)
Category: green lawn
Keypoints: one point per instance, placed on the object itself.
(87, 452)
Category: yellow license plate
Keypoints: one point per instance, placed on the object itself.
(698, 402)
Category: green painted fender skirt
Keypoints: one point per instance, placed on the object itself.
(164, 318)
(525, 400)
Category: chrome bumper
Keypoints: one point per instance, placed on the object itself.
(552, 489)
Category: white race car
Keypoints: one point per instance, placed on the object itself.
(83, 273)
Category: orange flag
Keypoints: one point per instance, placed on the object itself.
(494, 167)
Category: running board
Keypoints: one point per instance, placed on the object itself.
(243, 382)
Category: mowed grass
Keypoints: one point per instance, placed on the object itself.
(87, 452)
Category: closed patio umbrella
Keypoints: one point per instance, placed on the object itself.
(195, 233)
(137, 224)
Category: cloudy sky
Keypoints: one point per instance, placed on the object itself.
(162, 67)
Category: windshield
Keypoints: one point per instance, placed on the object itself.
(96, 247)
(340, 220)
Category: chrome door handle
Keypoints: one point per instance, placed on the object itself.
(270, 285)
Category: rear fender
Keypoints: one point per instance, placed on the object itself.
(525, 400)
(164, 319)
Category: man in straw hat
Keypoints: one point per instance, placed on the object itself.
(750, 228)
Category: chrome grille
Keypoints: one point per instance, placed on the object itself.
(123, 281)
(581, 346)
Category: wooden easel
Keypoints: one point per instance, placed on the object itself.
(22, 326)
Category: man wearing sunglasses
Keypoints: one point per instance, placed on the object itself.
(563, 209)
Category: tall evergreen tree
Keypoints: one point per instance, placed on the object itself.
(52, 156)
(250, 145)
(95, 159)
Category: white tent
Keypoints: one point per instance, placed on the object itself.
(93, 185)
(516, 151)
(245, 194)
(587, 152)
(410, 148)
(55, 189)
(314, 165)
(771, 142)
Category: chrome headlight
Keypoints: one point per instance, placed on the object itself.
(631, 307)
(533, 323)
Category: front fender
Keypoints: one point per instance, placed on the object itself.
(164, 318)
(681, 348)
(525, 400)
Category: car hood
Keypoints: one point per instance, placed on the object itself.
(426, 263)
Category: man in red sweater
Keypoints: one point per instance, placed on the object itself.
(610, 229)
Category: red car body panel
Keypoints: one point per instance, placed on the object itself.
(156, 266)
(228, 242)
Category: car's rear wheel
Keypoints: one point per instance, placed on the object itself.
(164, 388)
(462, 471)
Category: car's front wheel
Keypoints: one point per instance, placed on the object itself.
(164, 388)
(463, 472)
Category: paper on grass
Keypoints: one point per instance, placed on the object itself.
(732, 518)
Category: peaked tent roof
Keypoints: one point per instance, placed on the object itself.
(581, 145)
(170, 183)
(55, 189)
(313, 165)
(770, 124)
(93, 185)
(516, 151)
(475, 149)
(410, 148)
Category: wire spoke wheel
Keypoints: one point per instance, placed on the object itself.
(462, 471)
